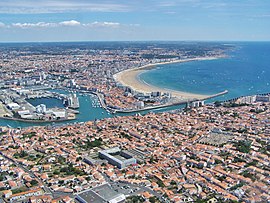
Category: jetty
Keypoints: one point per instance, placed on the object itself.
(217, 95)
(168, 105)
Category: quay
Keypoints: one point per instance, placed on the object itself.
(217, 95)
(168, 105)
(101, 99)
(113, 111)
(15, 105)
(37, 121)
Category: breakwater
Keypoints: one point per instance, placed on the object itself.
(170, 104)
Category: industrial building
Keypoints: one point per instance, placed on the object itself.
(101, 194)
(118, 158)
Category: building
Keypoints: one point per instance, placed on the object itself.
(196, 104)
(59, 114)
(139, 104)
(72, 83)
(93, 161)
(73, 101)
(247, 100)
(41, 108)
(13, 106)
(155, 94)
(101, 194)
(261, 98)
(117, 157)
(25, 195)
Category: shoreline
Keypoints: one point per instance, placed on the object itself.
(168, 105)
(130, 78)
(36, 121)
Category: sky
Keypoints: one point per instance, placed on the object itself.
(134, 20)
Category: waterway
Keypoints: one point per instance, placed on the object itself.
(245, 72)
(50, 102)
(89, 110)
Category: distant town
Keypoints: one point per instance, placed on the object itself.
(204, 152)
(28, 72)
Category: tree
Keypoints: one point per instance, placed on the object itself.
(135, 199)
(56, 172)
(217, 103)
(34, 182)
(153, 199)
(160, 183)
(243, 146)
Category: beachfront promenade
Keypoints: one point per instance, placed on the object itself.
(130, 78)
(171, 104)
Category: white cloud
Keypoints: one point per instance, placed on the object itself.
(167, 4)
(34, 25)
(214, 5)
(261, 16)
(2, 25)
(59, 6)
(134, 25)
(70, 23)
(46, 25)
(103, 24)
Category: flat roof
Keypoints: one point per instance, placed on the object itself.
(91, 197)
(120, 157)
(100, 194)
(106, 192)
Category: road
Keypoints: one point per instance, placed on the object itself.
(32, 175)
(129, 189)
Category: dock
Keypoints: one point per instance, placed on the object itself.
(169, 105)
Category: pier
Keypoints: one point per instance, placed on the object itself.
(217, 95)
(169, 105)
(101, 99)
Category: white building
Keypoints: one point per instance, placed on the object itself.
(13, 106)
(59, 114)
(139, 104)
(261, 98)
(197, 104)
(41, 108)
(25, 195)
(73, 101)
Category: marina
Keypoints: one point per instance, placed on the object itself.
(35, 106)
(206, 77)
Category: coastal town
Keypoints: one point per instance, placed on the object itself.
(92, 70)
(204, 152)
(216, 153)
(121, 101)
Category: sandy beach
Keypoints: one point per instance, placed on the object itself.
(130, 78)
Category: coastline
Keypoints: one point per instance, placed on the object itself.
(130, 78)
(36, 121)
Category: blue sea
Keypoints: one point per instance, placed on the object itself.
(246, 71)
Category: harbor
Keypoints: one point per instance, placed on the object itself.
(89, 109)
(24, 105)
(116, 100)
(169, 105)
